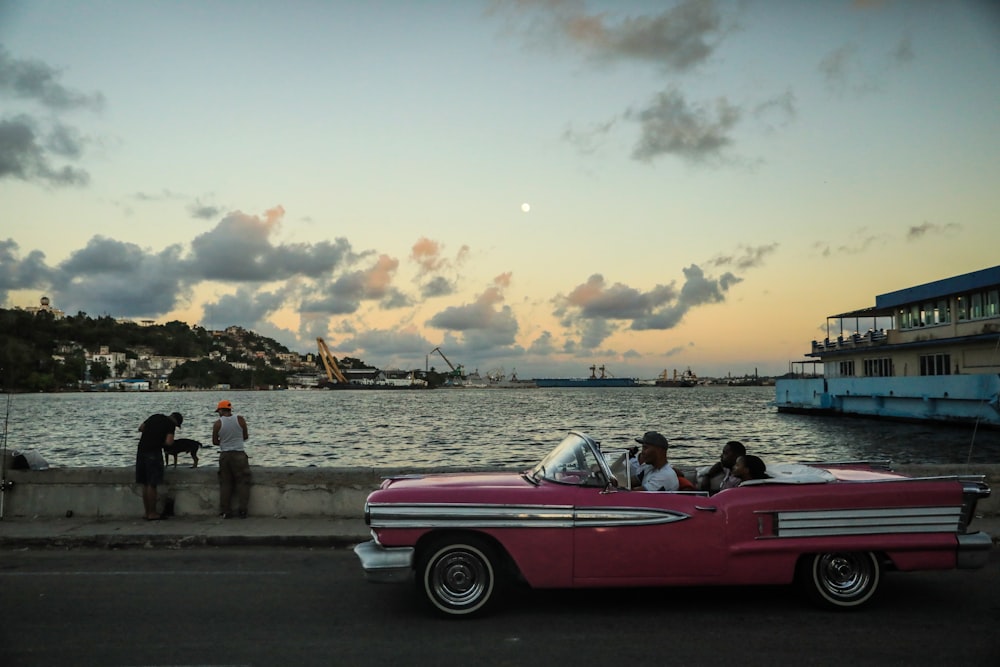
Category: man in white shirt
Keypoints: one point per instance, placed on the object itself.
(229, 434)
(655, 474)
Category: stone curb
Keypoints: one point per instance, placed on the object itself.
(179, 542)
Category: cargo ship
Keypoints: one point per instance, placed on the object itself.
(595, 380)
(685, 379)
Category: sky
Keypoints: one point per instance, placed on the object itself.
(533, 186)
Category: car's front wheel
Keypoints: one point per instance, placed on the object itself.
(460, 576)
(841, 580)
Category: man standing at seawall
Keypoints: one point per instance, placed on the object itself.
(229, 434)
(157, 431)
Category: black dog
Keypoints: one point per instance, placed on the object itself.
(180, 446)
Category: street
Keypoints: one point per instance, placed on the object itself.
(298, 606)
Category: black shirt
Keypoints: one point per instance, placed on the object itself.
(154, 433)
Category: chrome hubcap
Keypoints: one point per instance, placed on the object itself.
(460, 578)
(844, 575)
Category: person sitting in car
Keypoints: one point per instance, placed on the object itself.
(655, 473)
(720, 475)
(749, 467)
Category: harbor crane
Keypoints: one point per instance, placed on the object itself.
(455, 372)
(333, 372)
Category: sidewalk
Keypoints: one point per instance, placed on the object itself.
(178, 532)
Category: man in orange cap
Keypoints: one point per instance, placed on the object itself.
(229, 434)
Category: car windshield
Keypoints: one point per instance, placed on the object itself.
(573, 461)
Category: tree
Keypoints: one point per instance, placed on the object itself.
(99, 372)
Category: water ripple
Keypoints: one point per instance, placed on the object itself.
(475, 428)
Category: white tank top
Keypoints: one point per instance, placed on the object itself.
(230, 435)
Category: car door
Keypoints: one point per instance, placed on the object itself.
(646, 537)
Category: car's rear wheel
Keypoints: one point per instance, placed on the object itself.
(840, 580)
(460, 575)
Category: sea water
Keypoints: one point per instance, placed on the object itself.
(495, 428)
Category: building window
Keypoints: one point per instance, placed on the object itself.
(976, 305)
(935, 364)
(993, 303)
(846, 369)
(878, 367)
(943, 312)
(962, 307)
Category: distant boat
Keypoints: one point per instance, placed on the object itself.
(936, 360)
(595, 380)
(685, 379)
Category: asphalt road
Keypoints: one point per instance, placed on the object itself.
(297, 606)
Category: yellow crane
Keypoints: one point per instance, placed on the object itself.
(333, 373)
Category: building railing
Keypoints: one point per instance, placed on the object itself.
(868, 339)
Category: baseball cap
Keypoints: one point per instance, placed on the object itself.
(652, 438)
(224, 405)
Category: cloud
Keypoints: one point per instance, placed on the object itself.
(29, 146)
(204, 211)
(38, 82)
(592, 308)
(387, 343)
(437, 286)
(240, 249)
(595, 299)
(246, 308)
(778, 111)
(427, 254)
(917, 232)
(670, 126)
(25, 154)
(860, 242)
(747, 257)
(16, 273)
(485, 322)
(543, 345)
(589, 140)
(676, 40)
(112, 277)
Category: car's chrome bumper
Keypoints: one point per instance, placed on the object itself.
(973, 550)
(385, 564)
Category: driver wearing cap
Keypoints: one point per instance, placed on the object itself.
(655, 473)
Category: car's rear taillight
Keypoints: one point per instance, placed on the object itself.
(972, 491)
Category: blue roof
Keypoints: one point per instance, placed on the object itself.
(968, 282)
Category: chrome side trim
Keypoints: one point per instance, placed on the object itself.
(384, 564)
(592, 517)
(829, 523)
(445, 515)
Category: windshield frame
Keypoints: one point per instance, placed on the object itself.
(576, 461)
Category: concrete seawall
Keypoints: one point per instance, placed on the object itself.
(276, 492)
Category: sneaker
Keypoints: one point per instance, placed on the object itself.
(226, 515)
(243, 514)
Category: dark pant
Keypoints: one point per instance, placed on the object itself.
(234, 471)
(149, 468)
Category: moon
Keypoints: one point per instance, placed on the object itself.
(525, 207)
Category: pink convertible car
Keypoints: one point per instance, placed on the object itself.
(573, 522)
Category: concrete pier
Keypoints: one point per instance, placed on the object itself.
(332, 493)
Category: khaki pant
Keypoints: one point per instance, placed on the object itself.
(234, 471)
